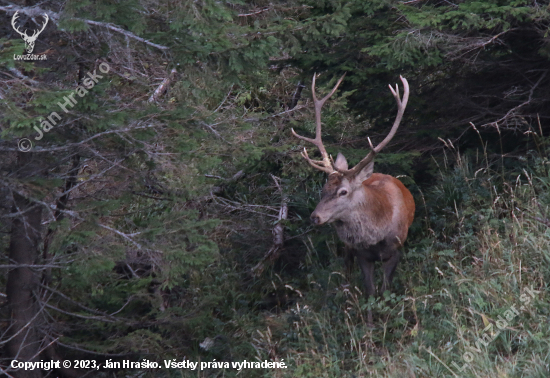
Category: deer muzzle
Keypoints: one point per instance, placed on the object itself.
(316, 219)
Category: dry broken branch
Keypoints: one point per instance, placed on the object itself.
(278, 232)
(162, 87)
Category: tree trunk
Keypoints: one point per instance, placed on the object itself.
(24, 337)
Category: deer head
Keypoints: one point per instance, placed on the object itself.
(29, 40)
(341, 192)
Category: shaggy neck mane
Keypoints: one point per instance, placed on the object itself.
(371, 223)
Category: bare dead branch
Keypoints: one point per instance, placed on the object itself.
(72, 145)
(80, 349)
(87, 317)
(278, 232)
(218, 189)
(27, 325)
(21, 76)
(91, 310)
(37, 11)
(514, 109)
(125, 236)
(253, 13)
(162, 87)
(33, 266)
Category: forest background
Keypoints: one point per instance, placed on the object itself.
(165, 215)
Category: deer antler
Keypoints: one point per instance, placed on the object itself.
(36, 32)
(325, 164)
(15, 17)
(29, 39)
(401, 105)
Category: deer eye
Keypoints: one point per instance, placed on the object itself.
(342, 192)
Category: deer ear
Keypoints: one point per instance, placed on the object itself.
(365, 173)
(341, 163)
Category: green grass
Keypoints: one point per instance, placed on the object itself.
(483, 242)
(478, 243)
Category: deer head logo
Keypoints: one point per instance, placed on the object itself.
(29, 40)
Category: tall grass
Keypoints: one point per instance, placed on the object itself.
(485, 239)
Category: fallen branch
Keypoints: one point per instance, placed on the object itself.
(253, 13)
(82, 142)
(219, 189)
(162, 87)
(124, 32)
(278, 232)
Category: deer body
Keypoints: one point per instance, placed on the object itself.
(381, 209)
(371, 212)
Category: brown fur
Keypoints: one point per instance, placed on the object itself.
(371, 218)
(372, 212)
(383, 190)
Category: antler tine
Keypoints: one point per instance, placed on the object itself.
(317, 164)
(325, 164)
(36, 32)
(46, 18)
(13, 19)
(401, 105)
(319, 104)
(322, 101)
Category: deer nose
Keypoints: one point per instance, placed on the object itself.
(315, 218)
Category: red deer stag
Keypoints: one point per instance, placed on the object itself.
(371, 212)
